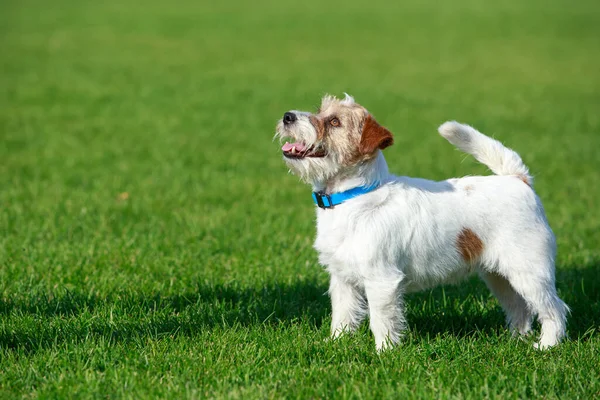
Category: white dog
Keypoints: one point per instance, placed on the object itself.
(381, 236)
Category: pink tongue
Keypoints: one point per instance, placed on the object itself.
(299, 147)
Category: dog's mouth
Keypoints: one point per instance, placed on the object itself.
(299, 150)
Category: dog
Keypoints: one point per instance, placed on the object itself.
(381, 236)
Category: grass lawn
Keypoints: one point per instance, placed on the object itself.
(152, 243)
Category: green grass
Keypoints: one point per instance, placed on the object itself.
(152, 243)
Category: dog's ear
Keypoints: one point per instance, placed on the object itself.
(374, 136)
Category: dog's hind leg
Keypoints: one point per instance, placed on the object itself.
(531, 275)
(541, 297)
(348, 306)
(518, 314)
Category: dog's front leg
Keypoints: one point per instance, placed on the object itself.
(348, 306)
(385, 311)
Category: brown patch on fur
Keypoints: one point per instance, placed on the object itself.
(469, 189)
(524, 179)
(374, 136)
(319, 126)
(469, 245)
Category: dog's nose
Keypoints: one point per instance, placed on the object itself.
(289, 118)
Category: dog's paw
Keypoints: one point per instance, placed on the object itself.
(385, 345)
(543, 346)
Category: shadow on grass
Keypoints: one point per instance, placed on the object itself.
(34, 323)
(462, 311)
(39, 321)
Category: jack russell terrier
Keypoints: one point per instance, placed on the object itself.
(381, 236)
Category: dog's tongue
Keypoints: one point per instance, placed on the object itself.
(289, 146)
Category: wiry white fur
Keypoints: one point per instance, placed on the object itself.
(402, 238)
(347, 99)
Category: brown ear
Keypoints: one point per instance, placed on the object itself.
(374, 136)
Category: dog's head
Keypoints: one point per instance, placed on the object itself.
(339, 137)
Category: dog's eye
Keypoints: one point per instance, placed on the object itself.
(334, 122)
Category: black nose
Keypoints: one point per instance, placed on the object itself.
(289, 118)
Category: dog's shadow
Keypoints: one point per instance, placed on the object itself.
(462, 311)
(43, 321)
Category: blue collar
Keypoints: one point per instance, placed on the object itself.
(330, 200)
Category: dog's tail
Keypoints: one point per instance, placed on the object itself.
(501, 160)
